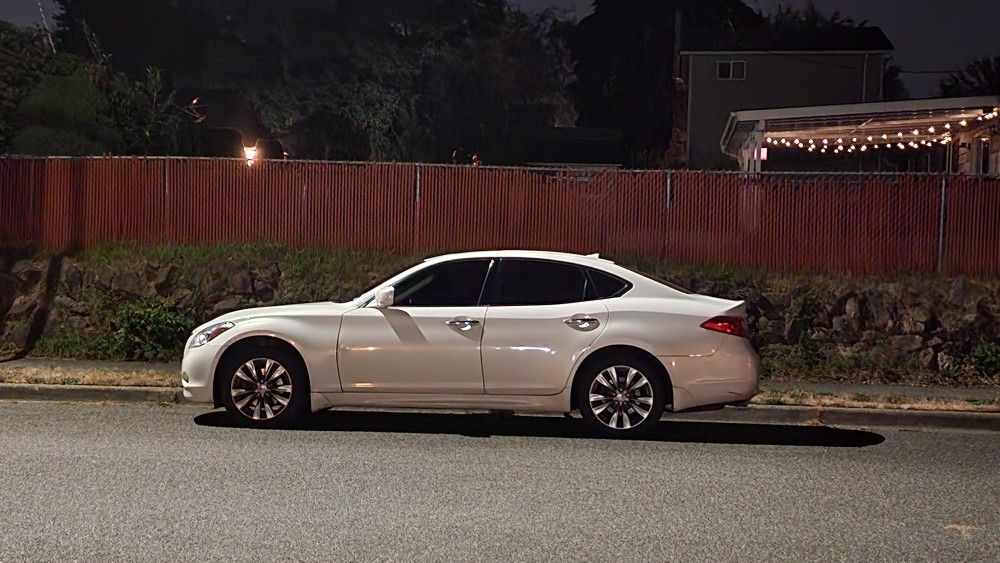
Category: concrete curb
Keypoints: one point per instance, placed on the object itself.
(32, 392)
(759, 414)
(835, 416)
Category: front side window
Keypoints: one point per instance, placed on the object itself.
(451, 284)
(540, 282)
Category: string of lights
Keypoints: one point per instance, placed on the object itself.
(900, 140)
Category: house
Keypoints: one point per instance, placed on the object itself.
(950, 135)
(726, 72)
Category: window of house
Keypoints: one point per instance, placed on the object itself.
(731, 70)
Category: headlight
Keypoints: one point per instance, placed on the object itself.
(210, 333)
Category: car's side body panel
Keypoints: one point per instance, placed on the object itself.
(526, 403)
(531, 350)
(312, 329)
(411, 350)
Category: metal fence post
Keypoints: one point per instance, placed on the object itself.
(941, 217)
(415, 235)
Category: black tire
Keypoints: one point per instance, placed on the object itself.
(631, 403)
(270, 402)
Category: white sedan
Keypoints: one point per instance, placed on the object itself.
(504, 330)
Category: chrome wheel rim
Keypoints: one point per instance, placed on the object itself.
(621, 397)
(261, 389)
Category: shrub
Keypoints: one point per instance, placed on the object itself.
(985, 358)
(147, 329)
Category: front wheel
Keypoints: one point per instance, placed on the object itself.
(622, 397)
(264, 387)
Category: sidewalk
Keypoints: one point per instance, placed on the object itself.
(780, 401)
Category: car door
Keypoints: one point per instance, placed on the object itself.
(428, 341)
(540, 320)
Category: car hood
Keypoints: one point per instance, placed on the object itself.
(324, 308)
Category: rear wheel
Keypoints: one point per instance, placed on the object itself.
(264, 387)
(621, 396)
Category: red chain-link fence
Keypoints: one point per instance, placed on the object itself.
(852, 223)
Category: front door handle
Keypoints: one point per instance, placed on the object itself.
(582, 322)
(462, 324)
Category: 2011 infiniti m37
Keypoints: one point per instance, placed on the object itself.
(503, 330)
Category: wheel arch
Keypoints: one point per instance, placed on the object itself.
(247, 342)
(600, 354)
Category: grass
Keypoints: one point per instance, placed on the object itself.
(57, 374)
(857, 400)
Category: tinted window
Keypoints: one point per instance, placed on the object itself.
(537, 282)
(451, 284)
(604, 285)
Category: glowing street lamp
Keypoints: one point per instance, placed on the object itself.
(250, 154)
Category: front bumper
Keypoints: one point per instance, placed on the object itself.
(197, 370)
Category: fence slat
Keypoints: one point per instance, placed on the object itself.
(851, 223)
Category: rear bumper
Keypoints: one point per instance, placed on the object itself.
(728, 376)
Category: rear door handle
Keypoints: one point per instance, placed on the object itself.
(462, 324)
(582, 322)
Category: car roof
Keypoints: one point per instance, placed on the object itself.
(589, 260)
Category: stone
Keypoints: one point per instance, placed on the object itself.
(907, 342)
(71, 279)
(29, 272)
(265, 294)
(945, 360)
(163, 280)
(926, 357)
(240, 283)
(15, 339)
(227, 305)
(851, 309)
(129, 282)
(920, 314)
(24, 306)
(910, 326)
(9, 286)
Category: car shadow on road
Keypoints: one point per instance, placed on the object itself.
(487, 425)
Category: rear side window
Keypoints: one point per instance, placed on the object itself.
(539, 282)
(451, 284)
(606, 286)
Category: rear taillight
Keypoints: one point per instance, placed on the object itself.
(737, 326)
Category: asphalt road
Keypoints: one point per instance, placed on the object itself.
(138, 482)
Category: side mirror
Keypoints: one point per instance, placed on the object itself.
(384, 297)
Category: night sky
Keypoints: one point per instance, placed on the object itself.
(928, 34)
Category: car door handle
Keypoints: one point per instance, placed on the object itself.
(462, 324)
(582, 323)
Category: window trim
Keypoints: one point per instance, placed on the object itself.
(731, 62)
(491, 262)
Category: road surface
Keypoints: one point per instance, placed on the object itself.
(88, 481)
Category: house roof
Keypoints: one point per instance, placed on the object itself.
(861, 120)
(868, 39)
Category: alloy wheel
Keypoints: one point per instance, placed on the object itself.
(621, 397)
(261, 389)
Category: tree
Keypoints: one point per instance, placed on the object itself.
(64, 115)
(624, 53)
(893, 87)
(981, 77)
(377, 79)
(24, 59)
